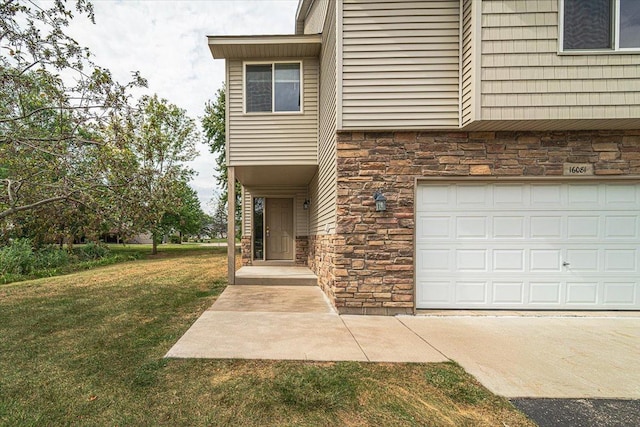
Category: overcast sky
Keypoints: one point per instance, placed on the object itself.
(166, 41)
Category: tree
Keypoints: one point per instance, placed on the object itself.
(54, 106)
(214, 126)
(220, 218)
(185, 217)
(163, 139)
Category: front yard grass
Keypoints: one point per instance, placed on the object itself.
(87, 349)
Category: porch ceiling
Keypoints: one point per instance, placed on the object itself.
(256, 47)
(275, 175)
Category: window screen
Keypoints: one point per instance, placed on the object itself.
(259, 87)
(587, 24)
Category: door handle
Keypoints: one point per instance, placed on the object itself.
(267, 232)
(566, 264)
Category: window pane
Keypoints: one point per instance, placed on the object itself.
(629, 23)
(287, 87)
(258, 88)
(587, 24)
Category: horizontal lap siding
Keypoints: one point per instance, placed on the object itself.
(273, 138)
(524, 78)
(400, 64)
(323, 186)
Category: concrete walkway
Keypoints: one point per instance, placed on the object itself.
(513, 356)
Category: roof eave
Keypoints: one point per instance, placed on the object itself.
(267, 46)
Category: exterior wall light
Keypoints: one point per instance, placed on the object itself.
(381, 201)
(306, 204)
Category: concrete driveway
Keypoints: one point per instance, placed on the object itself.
(541, 356)
(587, 356)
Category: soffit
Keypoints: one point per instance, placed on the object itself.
(256, 47)
(275, 174)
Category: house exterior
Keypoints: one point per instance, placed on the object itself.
(504, 135)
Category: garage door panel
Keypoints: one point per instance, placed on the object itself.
(473, 196)
(509, 227)
(621, 260)
(434, 227)
(545, 293)
(582, 292)
(546, 195)
(583, 260)
(626, 195)
(621, 227)
(508, 196)
(472, 227)
(435, 196)
(508, 292)
(471, 292)
(588, 195)
(472, 260)
(545, 260)
(435, 260)
(583, 227)
(509, 260)
(435, 293)
(546, 227)
(625, 293)
(538, 246)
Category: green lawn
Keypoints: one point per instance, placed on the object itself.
(87, 349)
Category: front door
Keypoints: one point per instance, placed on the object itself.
(279, 229)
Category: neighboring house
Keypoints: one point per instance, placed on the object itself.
(504, 135)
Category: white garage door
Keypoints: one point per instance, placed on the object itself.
(528, 246)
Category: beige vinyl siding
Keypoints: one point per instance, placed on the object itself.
(273, 138)
(299, 195)
(314, 22)
(467, 62)
(323, 185)
(400, 64)
(524, 77)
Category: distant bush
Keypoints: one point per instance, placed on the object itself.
(51, 257)
(17, 258)
(93, 251)
(19, 261)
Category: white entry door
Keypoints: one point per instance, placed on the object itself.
(528, 246)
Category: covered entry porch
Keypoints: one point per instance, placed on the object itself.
(274, 207)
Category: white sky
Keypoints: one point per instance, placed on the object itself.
(166, 41)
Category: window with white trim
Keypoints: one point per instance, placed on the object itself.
(273, 87)
(600, 25)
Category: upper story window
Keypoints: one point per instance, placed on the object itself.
(273, 87)
(600, 25)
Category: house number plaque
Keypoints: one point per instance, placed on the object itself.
(578, 169)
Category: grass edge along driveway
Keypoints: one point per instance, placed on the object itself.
(87, 349)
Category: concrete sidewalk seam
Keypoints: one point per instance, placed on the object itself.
(424, 340)
(355, 339)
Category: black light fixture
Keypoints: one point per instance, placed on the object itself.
(381, 201)
(306, 204)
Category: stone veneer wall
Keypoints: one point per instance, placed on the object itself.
(374, 267)
(321, 261)
(302, 250)
(245, 250)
